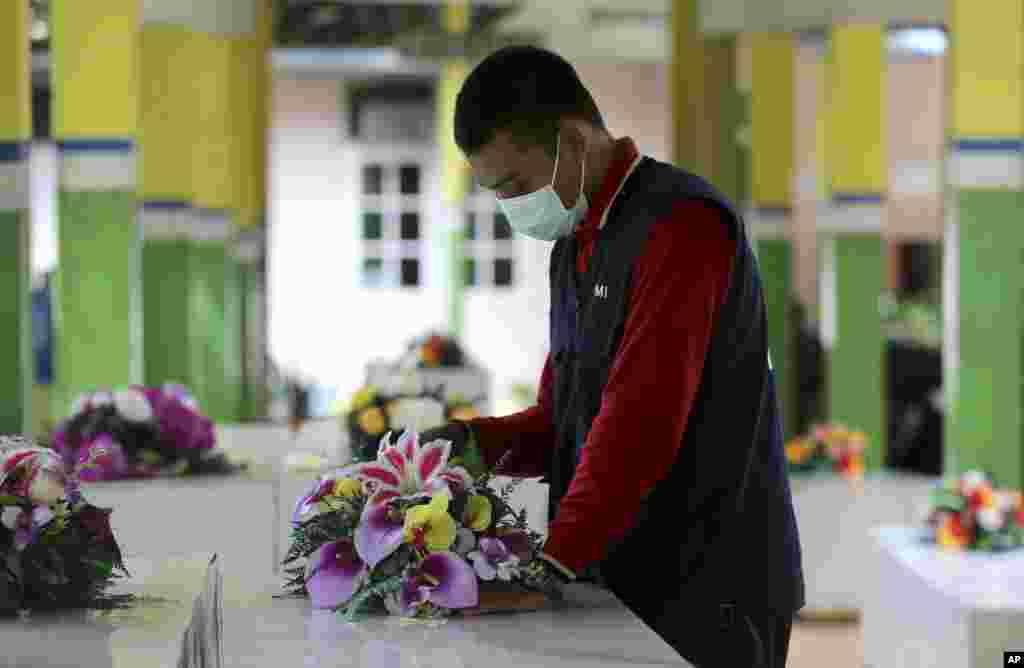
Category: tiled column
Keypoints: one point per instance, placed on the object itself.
(773, 61)
(853, 250)
(99, 298)
(167, 120)
(15, 134)
(985, 243)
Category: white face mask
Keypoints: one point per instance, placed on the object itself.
(541, 214)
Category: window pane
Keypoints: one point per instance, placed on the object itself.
(409, 179)
(470, 226)
(373, 272)
(410, 272)
(373, 225)
(502, 230)
(503, 272)
(470, 266)
(410, 226)
(373, 180)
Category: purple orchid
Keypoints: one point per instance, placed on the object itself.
(101, 458)
(321, 488)
(442, 579)
(182, 426)
(494, 559)
(379, 534)
(335, 572)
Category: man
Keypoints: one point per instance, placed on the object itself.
(657, 423)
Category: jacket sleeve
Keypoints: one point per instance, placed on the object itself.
(528, 435)
(679, 283)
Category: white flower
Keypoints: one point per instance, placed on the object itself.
(972, 480)
(990, 519)
(132, 405)
(507, 570)
(419, 414)
(10, 517)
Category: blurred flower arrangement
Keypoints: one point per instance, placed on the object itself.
(58, 550)
(969, 513)
(147, 431)
(433, 351)
(408, 534)
(373, 412)
(828, 448)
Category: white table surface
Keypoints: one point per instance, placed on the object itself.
(928, 607)
(169, 529)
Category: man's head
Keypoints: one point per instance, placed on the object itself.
(517, 110)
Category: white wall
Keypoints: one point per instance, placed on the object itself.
(323, 325)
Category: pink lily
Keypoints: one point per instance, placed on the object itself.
(406, 468)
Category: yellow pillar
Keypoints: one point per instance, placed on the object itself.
(772, 128)
(687, 83)
(853, 253)
(984, 243)
(16, 379)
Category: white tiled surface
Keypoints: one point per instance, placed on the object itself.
(834, 518)
(925, 607)
(168, 530)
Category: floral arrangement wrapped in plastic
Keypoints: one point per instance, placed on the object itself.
(373, 412)
(147, 431)
(970, 513)
(408, 534)
(828, 448)
(58, 550)
(433, 351)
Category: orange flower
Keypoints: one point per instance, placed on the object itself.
(853, 466)
(372, 421)
(799, 450)
(465, 413)
(952, 533)
(981, 497)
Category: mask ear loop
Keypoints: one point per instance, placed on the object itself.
(558, 150)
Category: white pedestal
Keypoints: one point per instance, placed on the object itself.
(928, 608)
(472, 382)
(834, 517)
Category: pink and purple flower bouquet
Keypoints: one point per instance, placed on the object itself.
(408, 534)
(58, 549)
(145, 431)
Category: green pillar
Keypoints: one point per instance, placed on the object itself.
(772, 63)
(984, 296)
(168, 322)
(851, 231)
(93, 56)
(250, 255)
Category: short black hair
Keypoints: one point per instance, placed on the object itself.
(525, 90)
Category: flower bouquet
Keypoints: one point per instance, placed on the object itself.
(970, 513)
(372, 413)
(828, 448)
(146, 431)
(433, 351)
(408, 534)
(59, 550)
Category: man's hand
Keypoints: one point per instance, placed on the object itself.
(465, 451)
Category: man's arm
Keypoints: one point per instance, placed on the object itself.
(678, 286)
(529, 434)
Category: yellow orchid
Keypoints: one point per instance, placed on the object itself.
(364, 397)
(478, 513)
(372, 421)
(429, 525)
(347, 488)
(799, 450)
